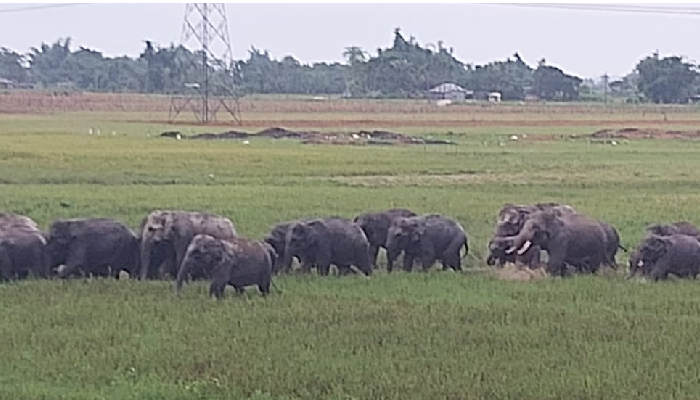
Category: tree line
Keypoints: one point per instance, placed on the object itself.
(407, 69)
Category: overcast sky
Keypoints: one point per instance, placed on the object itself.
(585, 43)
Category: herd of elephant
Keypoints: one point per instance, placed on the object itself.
(576, 242)
(184, 245)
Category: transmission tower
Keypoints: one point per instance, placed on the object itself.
(205, 33)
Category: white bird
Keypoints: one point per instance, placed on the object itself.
(178, 137)
(246, 142)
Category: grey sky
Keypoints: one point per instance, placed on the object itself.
(586, 43)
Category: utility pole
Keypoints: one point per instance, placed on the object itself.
(605, 89)
(205, 31)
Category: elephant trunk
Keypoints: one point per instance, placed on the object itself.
(287, 260)
(181, 276)
(521, 243)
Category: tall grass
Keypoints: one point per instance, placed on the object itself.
(399, 336)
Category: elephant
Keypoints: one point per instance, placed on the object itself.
(497, 254)
(23, 251)
(93, 245)
(238, 262)
(277, 238)
(658, 256)
(680, 227)
(376, 227)
(569, 238)
(9, 220)
(166, 234)
(325, 241)
(511, 219)
(428, 238)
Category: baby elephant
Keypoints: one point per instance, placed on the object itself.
(659, 256)
(427, 238)
(237, 262)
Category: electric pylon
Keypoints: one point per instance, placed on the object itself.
(205, 33)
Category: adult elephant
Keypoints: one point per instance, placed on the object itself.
(325, 241)
(510, 221)
(22, 248)
(165, 235)
(427, 238)
(99, 246)
(572, 238)
(676, 228)
(376, 227)
(658, 256)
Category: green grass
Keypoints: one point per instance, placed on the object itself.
(399, 336)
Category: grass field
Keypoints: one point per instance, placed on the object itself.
(401, 336)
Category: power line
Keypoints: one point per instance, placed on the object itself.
(42, 7)
(692, 11)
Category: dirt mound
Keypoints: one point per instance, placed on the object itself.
(220, 136)
(522, 274)
(279, 133)
(360, 138)
(644, 133)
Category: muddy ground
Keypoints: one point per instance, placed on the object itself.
(358, 138)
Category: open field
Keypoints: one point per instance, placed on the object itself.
(400, 336)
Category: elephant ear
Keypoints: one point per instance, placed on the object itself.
(417, 233)
(316, 224)
(61, 233)
(658, 245)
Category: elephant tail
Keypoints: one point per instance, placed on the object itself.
(623, 248)
(465, 245)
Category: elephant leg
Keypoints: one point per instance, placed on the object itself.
(306, 266)
(239, 290)
(344, 270)
(216, 289)
(556, 264)
(264, 285)
(323, 261)
(75, 261)
(373, 254)
(6, 267)
(170, 263)
(407, 262)
(451, 256)
(324, 269)
(660, 270)
(428, 258)
(451, 260)
(391, 256)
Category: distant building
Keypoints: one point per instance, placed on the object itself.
(495, 97)
(450, 91)
(6, 84)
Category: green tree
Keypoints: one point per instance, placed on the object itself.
(551, 83)
(12, 66)
(666, 80)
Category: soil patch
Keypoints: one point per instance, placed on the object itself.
(645, 133)
(522, 274)
(359, 138)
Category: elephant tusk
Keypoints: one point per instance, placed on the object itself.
(525, 247)
(640, 263)
(510, 250)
